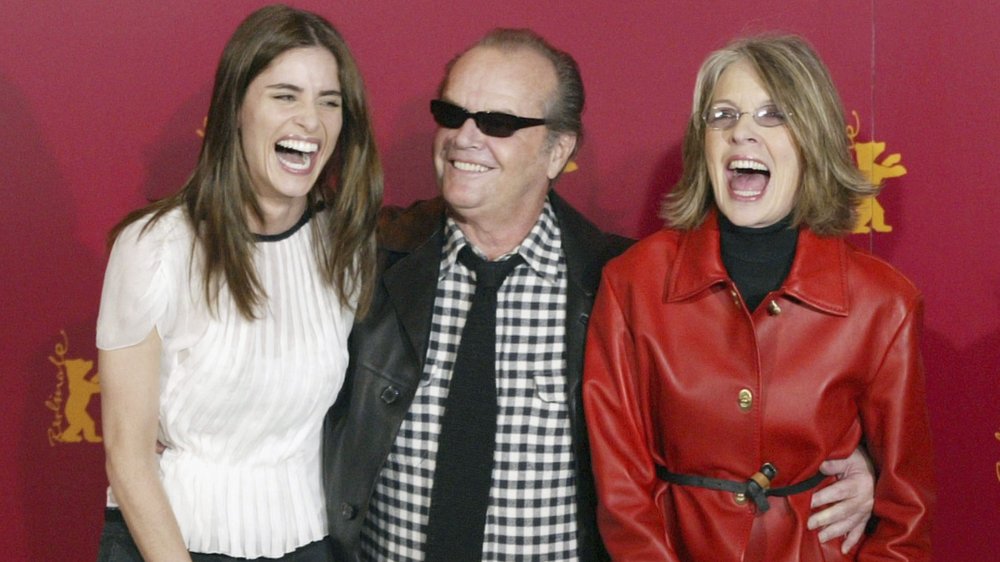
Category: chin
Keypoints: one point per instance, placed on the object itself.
(744, 217)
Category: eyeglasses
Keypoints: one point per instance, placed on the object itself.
(724, 118)
(491, 123)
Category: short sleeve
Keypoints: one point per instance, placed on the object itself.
(139, 281)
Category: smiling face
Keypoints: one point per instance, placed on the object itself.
(489, 180)
(289, 124)
(754, 170)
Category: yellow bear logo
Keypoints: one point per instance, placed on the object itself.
(871, 215)
(72, 423)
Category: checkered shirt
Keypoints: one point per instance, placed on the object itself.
(532, 508)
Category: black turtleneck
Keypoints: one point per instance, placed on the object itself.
(757, 259)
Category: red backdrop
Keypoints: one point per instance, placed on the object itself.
(102, 101)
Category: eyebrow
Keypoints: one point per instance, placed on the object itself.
(294, 88)
(729, 102)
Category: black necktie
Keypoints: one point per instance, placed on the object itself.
(462, 477)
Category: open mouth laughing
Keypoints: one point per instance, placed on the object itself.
(296, 156)
(748, 178)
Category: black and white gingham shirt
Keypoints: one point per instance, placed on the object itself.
(532, 508)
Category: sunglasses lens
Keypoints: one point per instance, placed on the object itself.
(497, 124)
(447, 115)
(451, 116)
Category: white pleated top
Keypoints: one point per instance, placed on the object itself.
(242, 401)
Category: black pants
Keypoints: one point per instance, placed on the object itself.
(117, 546)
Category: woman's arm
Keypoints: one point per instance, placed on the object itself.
(895, 423)
(630, 521)
(130, 389)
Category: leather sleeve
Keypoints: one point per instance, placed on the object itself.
(629, 518)
(894, 417)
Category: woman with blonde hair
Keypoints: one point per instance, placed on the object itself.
(733, 351)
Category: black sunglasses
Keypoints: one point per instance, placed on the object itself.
(494, 124)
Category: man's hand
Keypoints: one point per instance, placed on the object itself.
(851, 496)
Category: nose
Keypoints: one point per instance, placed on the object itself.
(745, 129)
(468, 134)
(307, 117)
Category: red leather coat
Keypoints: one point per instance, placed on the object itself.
(680, 374)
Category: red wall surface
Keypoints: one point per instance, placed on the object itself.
(100, 104)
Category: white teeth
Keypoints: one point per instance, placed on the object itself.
(299, 145)
(469, 166)
(297, 166)
(747, 165)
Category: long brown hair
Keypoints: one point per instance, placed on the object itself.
(219, 194)
(831, 185)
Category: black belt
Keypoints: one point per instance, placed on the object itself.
(757, 487)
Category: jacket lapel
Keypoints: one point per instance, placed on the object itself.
(411, 284)
(817, 277)
(819, 273)
(585, 250)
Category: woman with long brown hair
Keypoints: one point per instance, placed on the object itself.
(226, 308)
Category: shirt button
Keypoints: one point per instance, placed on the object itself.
(389, 395)
(740, 498)
(745, 398)
(773, 309)
(348, 511)
(736, 297)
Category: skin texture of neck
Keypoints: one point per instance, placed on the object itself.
(278, 215)
(496, 236)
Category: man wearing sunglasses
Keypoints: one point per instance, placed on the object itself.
(507, 474)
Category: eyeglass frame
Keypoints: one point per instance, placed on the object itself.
(757, 114)
(486, 121)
